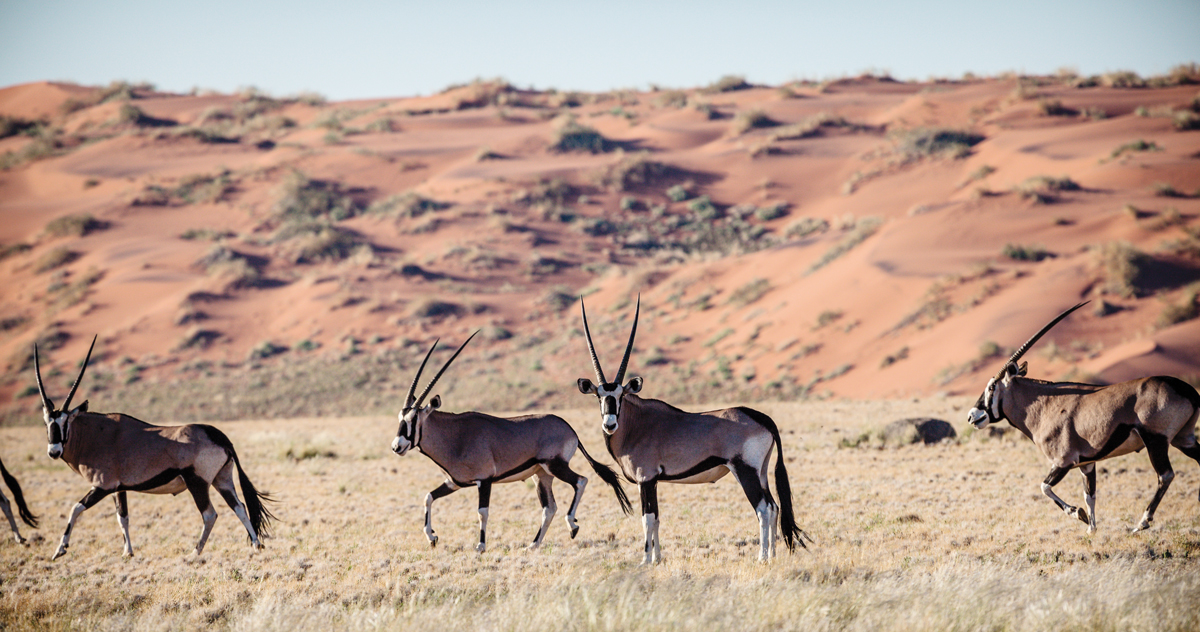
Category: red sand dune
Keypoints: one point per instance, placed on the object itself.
(904, 312)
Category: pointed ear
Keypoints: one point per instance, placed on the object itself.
(82, 408)
(1024, 369)
(634, 385)
(436, 402)
(585, 386)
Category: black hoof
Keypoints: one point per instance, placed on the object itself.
(574, 532)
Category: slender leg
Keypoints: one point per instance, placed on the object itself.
(224, 484)
(122, 504)
(1089, 494)
(1052, 479)
(545, 493)
(1189, 447)
(11, 521)
(87, 502)
(649, 493)
(199, 489)
(747, 476)
(445, 489)
(1156, 449)
(485, 500)
(562, 470)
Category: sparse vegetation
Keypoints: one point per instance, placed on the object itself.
(1185, 309)
(751, 119)
(54, 258)
(1020, 252)
(630, 171)
(1132, 146)
(860, 231)
(300, 199)
(727, 83)
(73, 226)
(430, 308)
(409, 204)
(749, 293)
(806, 226)
(569, 135)
(931, 142)
(1045, 189)
(1122, 269)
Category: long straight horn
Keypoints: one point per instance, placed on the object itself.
(408, 401)
(445, 366)
(67, 402)
(37, 370)
(1029, 343)
(629, 347)
(591, 347)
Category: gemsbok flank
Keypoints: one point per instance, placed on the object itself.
(26, 515)
(475, 449)
(1076, 425)
(653, 441)
(117, 453)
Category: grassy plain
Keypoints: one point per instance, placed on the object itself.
(949, 537)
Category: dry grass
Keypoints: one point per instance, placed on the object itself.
(951, 536)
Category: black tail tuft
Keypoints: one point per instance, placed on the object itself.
(26, 516)
(609, 476)
(260, 516)
(792, 534)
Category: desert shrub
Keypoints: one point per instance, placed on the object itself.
(629, 172)
(1045, 189)
(1122, 79)
(806, 226)
(727, 83)
(670, 99)
(569, 135)
(1186, 121)
(749, 292)
(678, 193)
(266, 349)
(205, 234)
(203, 188)
(73, 226)
(559, 298)
(1137, 145)
(46, 143)
(13, 249)
(1164, 189)
(1122, 269)
(300, 198)
(925, 142)
(861, 230)
(1018, 252)
(704, 208)
(54, 258)
(327, 243)
(722, 237)
(13, 125)
(630, 203)
(1187, 308)
(751, 119)
(409, 204)
(1054, 107)
(828, 317)
(197, 338)
(772, 212)
(433, 308)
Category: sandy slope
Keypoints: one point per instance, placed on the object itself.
(498, 256)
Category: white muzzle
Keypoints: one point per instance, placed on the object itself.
(610, 424)
(54, 450)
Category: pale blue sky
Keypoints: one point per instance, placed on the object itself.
(363, 49)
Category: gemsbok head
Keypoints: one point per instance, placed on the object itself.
(476, 450)
(116, 454)
(655, 442)
(1076, 425)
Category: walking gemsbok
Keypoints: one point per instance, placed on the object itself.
(1076, 425)
(22, 509)
(653, 441)
(117, 453)
(475, 449)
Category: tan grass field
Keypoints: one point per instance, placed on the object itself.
(946, 537)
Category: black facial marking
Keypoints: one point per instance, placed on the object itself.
(609, 405)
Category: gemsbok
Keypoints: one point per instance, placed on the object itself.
(655, 442)
(117, 454)
(1076, 425)
(475, 449)
(22, 509)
